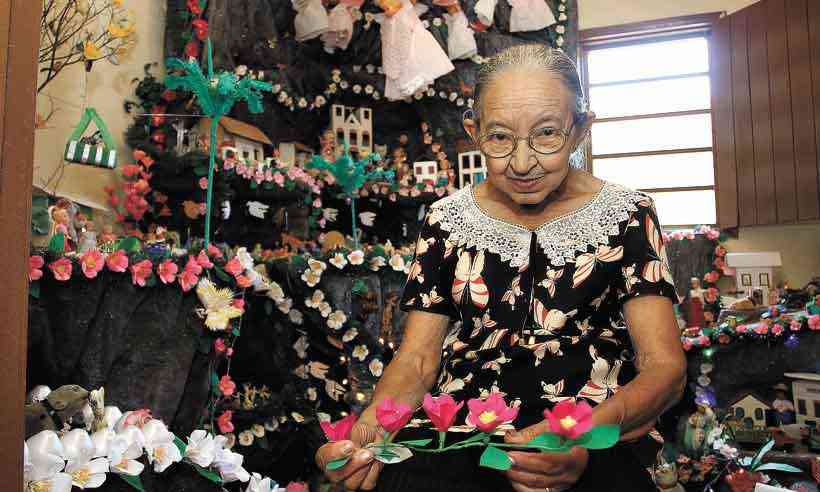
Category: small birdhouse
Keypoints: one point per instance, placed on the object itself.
(425, 171)
(755, 271)
(472, 168)
(248, 140)
(352, 125)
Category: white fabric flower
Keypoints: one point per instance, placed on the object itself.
(124, 451)
(245, 438)
(311, 394)
(325, 309)
(338, 261)
(356, 257)
(357, 68)
(377, 262)
(229, 464)
(357, 88)
(314, 300)
(398, 263)
(336, 320)
(259, 484)
(376, 367)
(44, 463)
(317, 265)
(201, 448)
(460, 101)
(431, 92)
(437, 22)
(320, 100)
(301, 347)
(271, 425)
(258, 430)
(276, 293)
(343, 84)
(560, 29)
(296, 317)
(277, 88)
(368, 89)
(159, 445)
(86, 471)
(245, 258)
(302, 102)
(453, 96)
(311, 277)
(360, 352)
(350, 335)
(285, 305)
(426, 24)
(376, 95)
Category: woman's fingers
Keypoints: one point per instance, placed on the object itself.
(361, 463)
(543, 463)
(358, 459)
(372, 478)
(529, 479)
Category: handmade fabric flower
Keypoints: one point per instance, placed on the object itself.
(340, 430)
(350, 335)
(140, 272)
(316, 299)
(187, 280)
(201, 448)
(741, 328)
(814, 322)
(569, 419)
(159, 446)
(325, 309)
(245, 438)
(441, 410)
(377, 262)
(124, 451)
(704, 341)
(86, 472)
(397, 263)
(44, 462)
(795, 325)
(338, 261)
(311, 277)
(203, 260)
(336, 320)
(35, 263)
(61, 269)
(234, 266)
(167, 271)
(243, 282)
(376, 367)
(285, 305)
(360, 352)
(214, 251)
(488, 414)
(711, 277)
(229, 464)
(92, 263)
(356, 257)
(687, 345)
(227, 386)
(777, 330)
(259, 484)
(224, 422)
(393, 416)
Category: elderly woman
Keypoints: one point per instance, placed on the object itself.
(560, 289)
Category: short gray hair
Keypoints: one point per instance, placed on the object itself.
(539, 57)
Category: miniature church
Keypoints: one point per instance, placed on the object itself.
(353, 125)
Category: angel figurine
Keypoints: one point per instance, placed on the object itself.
(340, 25)
(311, 19)
(460, 38)
(530, 15)
(412, 57)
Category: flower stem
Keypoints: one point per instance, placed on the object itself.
(441, 439)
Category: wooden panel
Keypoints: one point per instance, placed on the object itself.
(805, 147)
(720, 63)
(19, 44)
(781, 107)
(761, 116)
(814, 43)
(744, 140)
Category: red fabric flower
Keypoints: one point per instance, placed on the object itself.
(233, 266)
(224, 422)
(130, 170)
(239, 304)
(488, 414)
(200, 29)
(92, 263)
(192, 49)
(226, 385)
(203, 183)
(711, 277)
(140, 272)
(117, 261)
(158, 118)
(393, 416)
(194, 8)
(243, 282)
(569, 420)
(193, 266)
(167, 271)
(138, 154)
(61, 269)
(203, 260)
(441, 410)
(339, 430)
(219, 346)
(35, 263)
(187, 280)
(169, 95)
(214, 251)
(814, 322)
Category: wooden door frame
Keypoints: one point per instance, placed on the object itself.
(19, 44)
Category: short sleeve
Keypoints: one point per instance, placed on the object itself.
(429, 280)
(645, 267)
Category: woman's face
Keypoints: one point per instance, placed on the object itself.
(518, 101)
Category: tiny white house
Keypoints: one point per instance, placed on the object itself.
(354, 125)
(750, 411)
(806, 394)
(755, 271)
(425, 171)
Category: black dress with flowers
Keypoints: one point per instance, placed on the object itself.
(538, 317)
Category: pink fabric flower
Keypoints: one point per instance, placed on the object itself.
(720, 251)
(741, 328)
(233, 266)
(676, 236)
(687, 345)
(278, 178)
(704, 341)
(193, 266)
(569, 420)
(441, 410)
(226, 385)
(761, 329)
(229, 352)
(167, 271)
(92, 263)
(777, 330)
(243, 282)
(187, 280)
(488, 414)
(795, 325)
(61, 269)
(117, 261)
(138, 417)
(35, 263)
(203, 183)
(219, 346)
(224, 422)
(140, 272)
(711, 277)
(339, 430)
(317, 203)
(203, 260)
(214, 251)
(712, 234)
(296, 487)
(393, 416)
(238, 304)
(814, 322)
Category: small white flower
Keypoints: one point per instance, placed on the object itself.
(470, 102)
(296, 317)
(376, 367)
(357, 88)
(336, 71)
(86, 473)
(560, 29)
(317, 266)
(442, 94)
(437, 21)
(426, 24)
(276, 293)
(460, 101)
(320, 101)
(282, 97)
(311, 277)
(271, 425)
(201, 448)
(336, 320)
(331, 89)
(277, 88)
(245, 258)
(453, 96)
(350, 335)
(124, 451)
(43, 463)
(343, 85)
(560, 41)
(302, 102)
(336, 78)
(330, 214)
(230, 440)
(377, 262)
(368, 89)
(431, 92)
(229, 463)
(159, 445)
(357, 68)
(418, 95)
(325, 309)
(338, 261)
(259, 484)
(376, 95)
(245, 438)
(285, 305)
(311, 393)
(370, 68)
(562, 7)
(316, 299)
(562, 17)
(380, 70)
(360, 352)
(397, 262)
(356, 257)
(301, 347)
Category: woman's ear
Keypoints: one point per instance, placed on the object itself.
(470, 125)
(583, 128)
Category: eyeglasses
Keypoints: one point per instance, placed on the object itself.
(545, 140)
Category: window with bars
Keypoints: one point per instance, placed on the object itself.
(651, 96)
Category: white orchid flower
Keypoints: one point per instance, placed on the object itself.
(124, 450)
(160, 448)
(315, 299)
(44, 462)
(245, 438)
(259, 484)
(201, 449)
(86, 471)
(376, 367)
(229, 464)
(317, 265)
(350, 335)
(244, 258)
(325, 309)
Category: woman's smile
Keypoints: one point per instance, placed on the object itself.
(526, 185)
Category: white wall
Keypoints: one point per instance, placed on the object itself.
(600, 13)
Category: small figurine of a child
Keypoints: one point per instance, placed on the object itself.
(88, 238)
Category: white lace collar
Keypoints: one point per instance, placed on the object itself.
(561, 238)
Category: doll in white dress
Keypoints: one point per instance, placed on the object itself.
(411, 56)
(530, 15)
(340, 25)
(311, 19)
(460, 38)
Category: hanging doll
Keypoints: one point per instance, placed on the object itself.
(311, 19)
(530, 15)
(61, 220)
(485, 11)
(460, 38)
(340, 25)
(411, 56)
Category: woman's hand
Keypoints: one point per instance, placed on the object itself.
(537, 472)
(362, 471)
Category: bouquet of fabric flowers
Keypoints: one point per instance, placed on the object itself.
(570, 425)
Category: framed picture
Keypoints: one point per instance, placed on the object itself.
(764, 280)
(746, 279)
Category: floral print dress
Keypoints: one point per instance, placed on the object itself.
(538, 314)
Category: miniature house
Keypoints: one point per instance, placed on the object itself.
(248, 140)
(472, 168)
(806, 393)
(425, 171)
(352, 125)
(291, 153)
(754, 271)
(750, 411)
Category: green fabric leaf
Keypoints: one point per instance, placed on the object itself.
(180, 445)
(495, 458)
(130, 245)
(601, 437)
(213, 477)
(336, 464)
(418, 442)
(761, 453)
(134, 482)
(548, 442)
(221, 274)
(34, 289)
(214, 383)
(253, 185)
(779, 467)
(235, 332)
(390, 455)
(57, 244)
(478, 437)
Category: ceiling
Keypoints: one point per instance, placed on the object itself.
(599, 13)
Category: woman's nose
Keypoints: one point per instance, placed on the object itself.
(523, 159)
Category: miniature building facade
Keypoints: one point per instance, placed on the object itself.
(425, 171)
(352, 125)
(246, 141)
(754, 271)
(806, 394)
(750, 412)
(472, 168)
